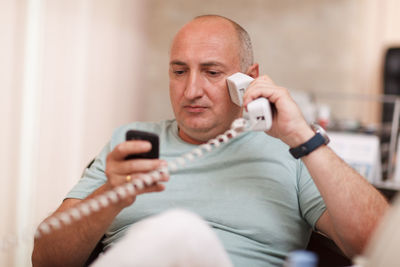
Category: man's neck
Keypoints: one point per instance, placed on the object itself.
(189, 139)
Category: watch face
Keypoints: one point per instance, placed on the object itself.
(318, 129)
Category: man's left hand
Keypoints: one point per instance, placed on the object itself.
(288, 123)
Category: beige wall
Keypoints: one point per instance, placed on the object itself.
(9, 124)
(69, 75)
(312, 45)
(71, 71)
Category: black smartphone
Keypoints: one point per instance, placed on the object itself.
(141, 135)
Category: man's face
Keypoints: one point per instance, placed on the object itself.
(204, 53)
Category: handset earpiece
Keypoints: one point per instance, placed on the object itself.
(258, 111)
(237, 85)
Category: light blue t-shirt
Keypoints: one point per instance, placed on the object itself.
(261, 202)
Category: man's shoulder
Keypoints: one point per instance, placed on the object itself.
(262, 145)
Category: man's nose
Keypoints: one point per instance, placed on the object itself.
(194, 87)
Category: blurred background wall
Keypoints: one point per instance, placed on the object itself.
(312, 45)
(69, 74)
(71, 71)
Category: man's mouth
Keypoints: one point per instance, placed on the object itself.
(195, 108)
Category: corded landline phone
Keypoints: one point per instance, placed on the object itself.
(258, 111)
(257, 118)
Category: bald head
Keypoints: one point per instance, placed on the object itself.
(246, 49)
(238, 36)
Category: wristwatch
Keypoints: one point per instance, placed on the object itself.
(320, 138)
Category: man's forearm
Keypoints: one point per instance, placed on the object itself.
(72, 244)
(354, 206)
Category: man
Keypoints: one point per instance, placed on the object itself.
(260, 201)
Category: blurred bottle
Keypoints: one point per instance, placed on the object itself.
(301, 258)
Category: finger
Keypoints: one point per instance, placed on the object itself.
(265, 78)
(164, 177)
(157, 187)
(132, 166)
(129, 147)
(154, 186)
(272, 92)
(257, 91)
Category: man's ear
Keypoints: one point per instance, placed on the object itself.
(253, 71)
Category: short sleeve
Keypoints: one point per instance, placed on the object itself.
(310, 200)
(92, 178)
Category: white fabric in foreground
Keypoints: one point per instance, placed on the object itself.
(174, 238)
(383, 247)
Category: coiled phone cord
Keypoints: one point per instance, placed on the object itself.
(85, 208)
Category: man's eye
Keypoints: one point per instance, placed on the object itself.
(213, 73)
(179, 72)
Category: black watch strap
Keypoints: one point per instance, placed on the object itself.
(304, 149)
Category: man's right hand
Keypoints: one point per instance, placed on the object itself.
(66, 248)
(117, 168)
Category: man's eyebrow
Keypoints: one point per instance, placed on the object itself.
(212, 64)
(204, 64)
(177, 62)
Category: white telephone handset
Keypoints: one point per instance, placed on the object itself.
(259, 111)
